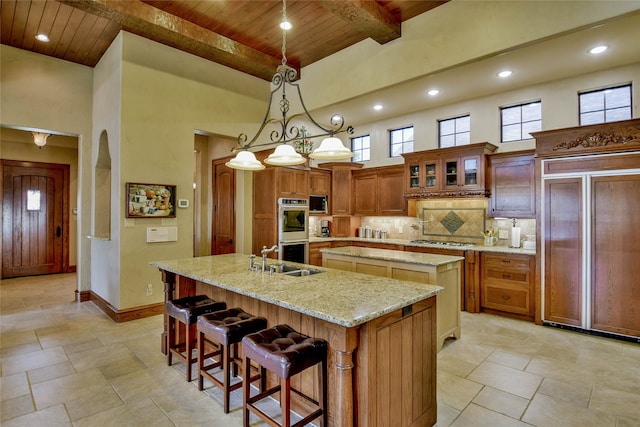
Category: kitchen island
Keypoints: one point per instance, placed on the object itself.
(443, 270)
(381, 332)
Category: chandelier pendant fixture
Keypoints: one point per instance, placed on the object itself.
(290, 129)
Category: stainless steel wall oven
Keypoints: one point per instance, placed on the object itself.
(293, 230)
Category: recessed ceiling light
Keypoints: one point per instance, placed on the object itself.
(598, 49)
(433, 92)
(377, 107)
(286, 25)
(504, 74)
(42, 37)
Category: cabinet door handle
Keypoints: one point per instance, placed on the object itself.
(506, 276)
(506, 297)
(506, 261)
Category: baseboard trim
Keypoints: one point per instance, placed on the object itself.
(126, 315)
(82, 296)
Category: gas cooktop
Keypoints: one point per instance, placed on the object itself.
(437, 242)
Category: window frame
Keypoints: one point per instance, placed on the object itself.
(353, 150)
(455, 134)
(521, 122)
(628, 85)
(402, 144)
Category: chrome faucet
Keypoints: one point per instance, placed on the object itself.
(264, 252)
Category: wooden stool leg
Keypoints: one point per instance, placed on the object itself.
(200, 360)
(246, 391)
(226, 379)
(323, 393)
(171, 337)
(285, 402)
(188, 350)
(233, 360)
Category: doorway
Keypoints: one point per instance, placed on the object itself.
(35, 218)
(224, 215)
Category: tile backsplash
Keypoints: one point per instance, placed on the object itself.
(460, 220)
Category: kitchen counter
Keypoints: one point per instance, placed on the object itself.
(479, 248)
(346, 299)
(391, 255)
(375, 327)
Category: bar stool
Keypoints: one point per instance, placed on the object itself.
(284, 352)
(225, 328)
(186, 310)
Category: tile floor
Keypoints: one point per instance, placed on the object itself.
(64, 363)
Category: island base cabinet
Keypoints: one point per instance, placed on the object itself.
(448, 276)
(397, 368)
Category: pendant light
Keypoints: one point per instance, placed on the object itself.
(287, 129)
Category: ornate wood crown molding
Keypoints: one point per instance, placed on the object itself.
(600, 139)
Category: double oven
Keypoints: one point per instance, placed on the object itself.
(293, 230)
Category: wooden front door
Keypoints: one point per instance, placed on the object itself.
(34, 218)
(224, 212)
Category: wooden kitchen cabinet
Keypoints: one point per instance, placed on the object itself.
(513, 187)
(341, 186)
(315, 256)
(292, 182)
(464, 173)
(508, 285)
(320, 182)
(378, 191)
(447, 172)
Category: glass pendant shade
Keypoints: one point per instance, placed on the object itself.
(284, 155)
(331, 149)
(245, 160)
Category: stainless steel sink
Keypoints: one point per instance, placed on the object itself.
(294, 270)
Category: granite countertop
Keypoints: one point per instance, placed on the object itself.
(480, 248)
(393, 255)
(337, 296)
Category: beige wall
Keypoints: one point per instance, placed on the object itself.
(43, 93)
(559, 109)
(18, 145)
(160, 113)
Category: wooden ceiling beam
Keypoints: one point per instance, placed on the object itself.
(368, 17)
(147, 21)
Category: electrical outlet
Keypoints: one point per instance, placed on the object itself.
(400, 231)
(503, 234)
(149, 289)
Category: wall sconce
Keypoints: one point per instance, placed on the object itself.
(40, 138)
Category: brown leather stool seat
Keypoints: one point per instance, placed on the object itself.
(186, 311)
(285, 352)
(225, 328)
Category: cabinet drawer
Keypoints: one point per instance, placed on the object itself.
(510, 261)
(506, 275)
(505, 299)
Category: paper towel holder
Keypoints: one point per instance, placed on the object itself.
(515, 235)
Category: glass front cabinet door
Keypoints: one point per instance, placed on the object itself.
(431, 175)
(423, 175)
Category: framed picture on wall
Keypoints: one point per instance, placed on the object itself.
(151, 200)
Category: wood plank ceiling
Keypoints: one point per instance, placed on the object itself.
(242, 34)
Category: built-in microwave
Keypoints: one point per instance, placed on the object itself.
(318, 204)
